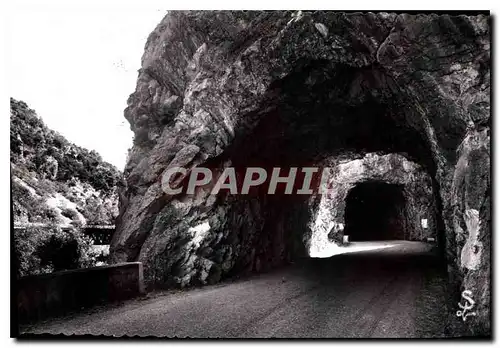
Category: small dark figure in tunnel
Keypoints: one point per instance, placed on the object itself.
(375, 211)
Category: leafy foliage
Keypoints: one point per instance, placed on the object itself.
(58, 183)
(45, 250)
(55, 181)
(37, 147)
(29, 208)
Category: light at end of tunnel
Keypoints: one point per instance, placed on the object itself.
(333, 249)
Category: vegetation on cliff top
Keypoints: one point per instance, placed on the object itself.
(55, 181)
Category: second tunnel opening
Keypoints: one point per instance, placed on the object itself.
(375, 211)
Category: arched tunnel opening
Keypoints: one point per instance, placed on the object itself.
(320, 115)
(323, 115)
(392, 114)
(375, 211)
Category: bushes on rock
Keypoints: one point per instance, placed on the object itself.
(46, 152)
(45, 250)
(29, 207)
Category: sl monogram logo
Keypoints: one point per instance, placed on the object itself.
(469, 304)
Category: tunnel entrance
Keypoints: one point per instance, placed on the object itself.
(375, 211)
(294, 125)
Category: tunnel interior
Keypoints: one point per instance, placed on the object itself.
(321, 111)
(317, 116)
(316, 113)
(375, 211)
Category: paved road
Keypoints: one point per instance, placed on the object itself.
(395, 291)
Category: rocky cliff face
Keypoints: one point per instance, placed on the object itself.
(292, 88)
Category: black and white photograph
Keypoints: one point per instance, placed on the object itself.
(244, 174)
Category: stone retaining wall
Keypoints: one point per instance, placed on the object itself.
(59, 293)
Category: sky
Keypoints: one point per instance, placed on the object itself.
(76, 68)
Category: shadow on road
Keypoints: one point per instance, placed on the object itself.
(396, 292)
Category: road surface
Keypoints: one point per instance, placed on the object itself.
(394, 290)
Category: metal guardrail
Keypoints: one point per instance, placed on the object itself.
(98, 235)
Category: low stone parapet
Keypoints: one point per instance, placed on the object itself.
(60, 293)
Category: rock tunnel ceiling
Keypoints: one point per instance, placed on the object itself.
(307, 89)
